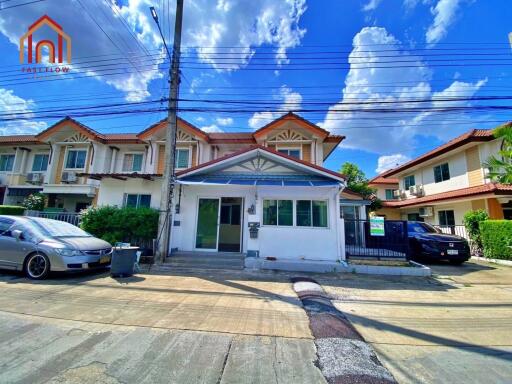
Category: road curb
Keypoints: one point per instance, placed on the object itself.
(343, 355)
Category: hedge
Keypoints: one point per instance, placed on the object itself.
(496, 238)
(115, 224)
(12, 210)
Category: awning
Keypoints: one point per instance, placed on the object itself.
(22, 192)
(280, 181)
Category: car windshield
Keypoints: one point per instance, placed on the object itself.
(55, 228)
(421, 227)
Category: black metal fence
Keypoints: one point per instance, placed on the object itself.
(360, 242)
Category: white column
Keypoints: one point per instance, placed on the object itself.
(113, 160)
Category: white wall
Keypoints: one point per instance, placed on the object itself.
(112, 191)
(458, 208)
(280, 242)
(425, 176)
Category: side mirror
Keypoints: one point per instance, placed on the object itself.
(17, 234)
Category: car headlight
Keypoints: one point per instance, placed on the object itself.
(68, 252)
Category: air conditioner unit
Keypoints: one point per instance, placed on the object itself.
(69, 177)
(416, 190)
(35, 178)
(426, 212)
(398, 193)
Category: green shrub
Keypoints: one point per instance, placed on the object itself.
(115, 224)
(35, 202)
(496, 238)
(12, 210)
(472, 220)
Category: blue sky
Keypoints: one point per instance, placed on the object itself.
(272, 56)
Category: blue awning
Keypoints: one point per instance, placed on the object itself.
(264, 180)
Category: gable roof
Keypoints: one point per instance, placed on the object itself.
(184, 125)
(491, 188)
(475, 135)
(89, 132)
(290, 116)
(222, 159)
(382, 179)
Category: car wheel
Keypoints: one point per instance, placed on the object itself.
(37, 266)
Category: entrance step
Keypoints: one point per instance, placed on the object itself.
(206, 260)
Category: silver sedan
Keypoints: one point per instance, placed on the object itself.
(38, 246)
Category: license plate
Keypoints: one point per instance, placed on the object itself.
(104, 259)
(452, 252)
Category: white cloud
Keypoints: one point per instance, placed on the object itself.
(371, 5)
(444, 13)
(390, 130)
(212, 24)
(12, 106)
(390, 161)
(211, 128)
(291, 101)
(224, 121)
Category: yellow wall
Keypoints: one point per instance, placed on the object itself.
(306, 152)
(495, 209)
(389, 213)
(160, 165)
(60, 165)
(478, 204)
(474, 167)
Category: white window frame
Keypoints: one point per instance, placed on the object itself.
(289, 148)
(13, 163)
(189, 149)
(294, 210)
(125, 199)
(133, 153)
(34, 159)
(278, 225)
(76, 150)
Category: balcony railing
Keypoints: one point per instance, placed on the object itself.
(68, 217)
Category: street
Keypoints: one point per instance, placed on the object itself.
(454, 328)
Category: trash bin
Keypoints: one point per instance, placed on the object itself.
(123, 261)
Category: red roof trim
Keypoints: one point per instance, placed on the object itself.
(497, 189)
(475, 135)
(254, 147)
(291, 116)
(159, 125)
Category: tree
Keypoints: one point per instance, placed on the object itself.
(357, 182)
(35, 202)
(500, 167)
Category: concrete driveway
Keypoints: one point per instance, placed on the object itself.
(453, 328)
(212, 327)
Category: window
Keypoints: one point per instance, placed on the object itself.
(230, 214)
(76, 159)
(390, 194)
(5, 225)
(278, 212)
(409, 181)
(414, 217)
(182, 157)
(40, 163)
(311, 213)
(446, 217)
(132, 162)
(137, 201)
(441, 173)
(6, 163)
(292, 152)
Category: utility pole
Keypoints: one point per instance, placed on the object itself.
(165, 221)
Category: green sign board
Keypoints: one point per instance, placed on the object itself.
(377, 226)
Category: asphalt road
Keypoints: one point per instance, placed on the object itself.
(453, 328)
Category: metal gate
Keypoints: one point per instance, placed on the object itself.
(361, 243)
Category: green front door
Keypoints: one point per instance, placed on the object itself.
(207, 223)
